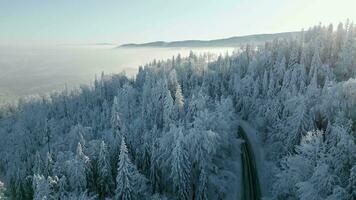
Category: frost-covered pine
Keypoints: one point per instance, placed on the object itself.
(2, 190)
(124, 188)
(48, 164)
(81, 196)
(198, 102)
(63, 187)
(265, 82)
(352, 183)
(339, 193)
(80, 154)
(297, 169)
(116, 124)
(155, 175)
(105, 180)
(346, 62)
(38, 164)
(180, 168)
(130, 183)
(42, 188)
(158, 197)
(202, 193)
(296, 124)
(179, 99)
(77, 171)
(319, 169)
(315, 65)
(169, 112)
(319, 186)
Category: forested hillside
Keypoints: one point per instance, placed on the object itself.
(226, 42)
(170, 133)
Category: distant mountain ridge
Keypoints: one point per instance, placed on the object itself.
(226, 42)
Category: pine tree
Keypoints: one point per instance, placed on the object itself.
(315, 65)
(42, 188)
(168, 109)
(48, 164)
(319, 185)
(179, 100)
(38, 164)
(105, 181)
(296, 170)
(180, 169)
(297, 124)
(63, 187)
(352, 183)
(116, 124)
(339, 193)
(202, 193)
(130, 183)
(77, 171)
(346, 59)
(265, 82)
(2, 190)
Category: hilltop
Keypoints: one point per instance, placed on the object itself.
(225, 42)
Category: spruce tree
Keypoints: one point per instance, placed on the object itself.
(105, 181)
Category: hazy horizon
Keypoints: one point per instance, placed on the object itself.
(29, 71)
(118, 22)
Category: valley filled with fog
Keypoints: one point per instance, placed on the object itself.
(29, 71)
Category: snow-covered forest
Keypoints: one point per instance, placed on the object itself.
(171, 132)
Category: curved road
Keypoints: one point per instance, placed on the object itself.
(251, 189)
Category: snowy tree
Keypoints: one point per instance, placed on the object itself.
(298, 168)
(346, 62)
(48, 164)
(116, 123)
(2, 190)
(296, 124)
(179, 100)
(180, 168)
(158, 197)
(105, 180)
(352, 182)
(155, 167)
(38, 164)
(63, 187)
(81, 196)
(319, 185)
(77, 171)
(130, 183)
(43, 188)
(319, 169)
(202, 193)
(198, 102)
(339, 193)
(169, 112)
(265, 81)
(315, 65)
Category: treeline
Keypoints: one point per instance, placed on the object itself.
(170, 133)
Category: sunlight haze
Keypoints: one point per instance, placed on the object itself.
(39, 22)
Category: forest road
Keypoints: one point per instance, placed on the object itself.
(251, 189)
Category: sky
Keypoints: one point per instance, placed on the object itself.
(55, 22)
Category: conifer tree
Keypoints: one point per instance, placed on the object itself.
(180, 169)
(130, 183)
(105, 180)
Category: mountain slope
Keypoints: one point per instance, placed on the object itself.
(226, 42)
